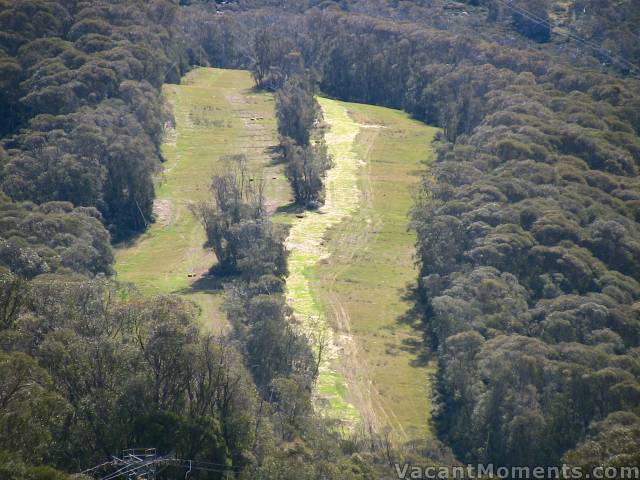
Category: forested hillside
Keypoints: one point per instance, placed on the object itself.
(80, 103)
(527, 226)
(528, 229)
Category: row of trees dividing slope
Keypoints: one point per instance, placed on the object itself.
(279, 67)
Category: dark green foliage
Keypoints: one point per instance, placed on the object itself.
(296, 110)
(275, 60)
(13, 468)
(31, 408)
(306, 166)
(88, 368)
(306, 159)
(610, 443)
(263, 322)
(238, 229)
(82, 81)
(530, 194)
(53, 237)
(89, 372)
(250, 249)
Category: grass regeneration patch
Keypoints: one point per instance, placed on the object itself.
(365, 285)
(216, 114)
(307, 248)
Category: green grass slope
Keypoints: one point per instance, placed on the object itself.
(216, 114)
(351, 263)
(365, 284)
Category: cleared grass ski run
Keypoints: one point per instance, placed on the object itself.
(352, 272)
(217, 114)
(351, 264)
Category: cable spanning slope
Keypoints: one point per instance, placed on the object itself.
(599, 49)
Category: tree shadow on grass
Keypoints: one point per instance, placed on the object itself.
(211, 282)
(275, 153)
(128, 238)
(292, 209)
(421, 347)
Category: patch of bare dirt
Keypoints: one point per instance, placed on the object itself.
(162, 212)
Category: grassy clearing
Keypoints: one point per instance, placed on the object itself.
(350, 263)
(365, 284)
(216, 114)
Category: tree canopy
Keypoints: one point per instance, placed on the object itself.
(527, 231)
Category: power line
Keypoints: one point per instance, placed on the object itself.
(599, 49)
(540, 21)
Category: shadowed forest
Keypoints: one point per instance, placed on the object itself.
(527, 225)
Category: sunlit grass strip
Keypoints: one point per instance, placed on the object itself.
(371, 271)
(306, 246)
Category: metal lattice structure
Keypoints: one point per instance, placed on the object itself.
(146, 464)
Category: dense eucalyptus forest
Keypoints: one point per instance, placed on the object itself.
(528, 227)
